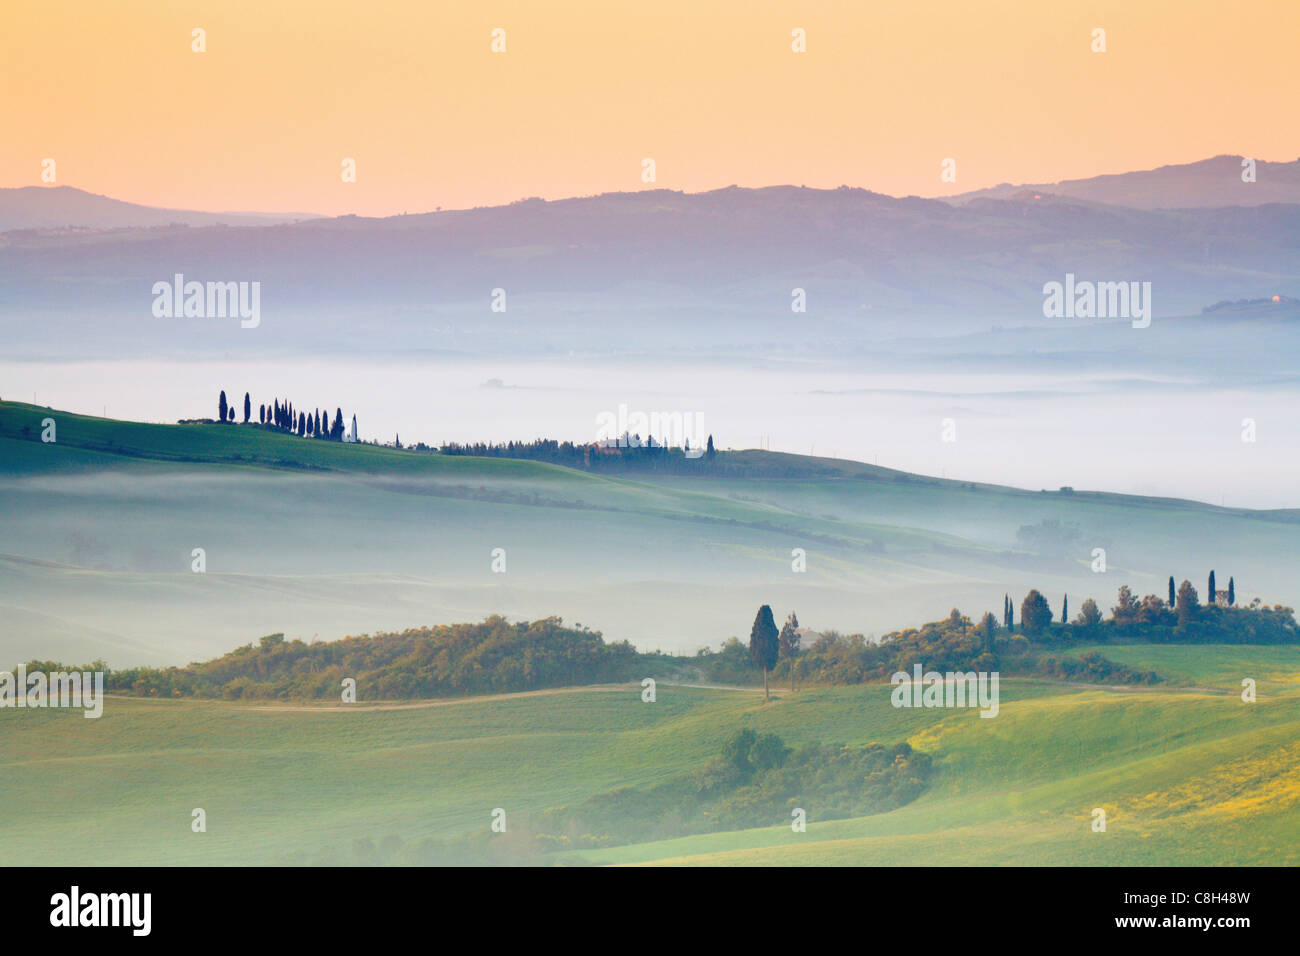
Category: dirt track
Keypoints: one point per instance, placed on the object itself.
(338, 707)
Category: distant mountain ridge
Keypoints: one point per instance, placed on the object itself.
(652, 268)
(65, 207)
(1209, 183)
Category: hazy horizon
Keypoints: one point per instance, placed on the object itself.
(991, 182)
(1176, 82)
(892, 419)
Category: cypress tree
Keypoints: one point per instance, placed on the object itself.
(788, 644)
(221, 406)
(1172, 597)
(1065, 609)
(1232, 592)
(763, 643)
(248, 408)
(1035, 613)
(1213, 595)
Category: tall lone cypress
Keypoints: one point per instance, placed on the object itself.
(1214, 595)
(1232, 592)
(1172, 597)
(1065, 609)
(763, 643)
(221, 406)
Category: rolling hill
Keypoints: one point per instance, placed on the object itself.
(316, 539)
(1186, 776)
(1213, 182)
(67, 208)
(654, 269)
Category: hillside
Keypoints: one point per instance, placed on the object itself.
(1213, 182)
(1186, 775)
(65, 208)
(714, 269)
(321, 540)
(335, 539)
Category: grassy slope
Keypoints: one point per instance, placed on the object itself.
(313, 537)
(1186, 776)
(848, 502)
(1275, 669)
(322, 538)
(87, 443)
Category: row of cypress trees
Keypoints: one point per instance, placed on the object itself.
(1009, 614)
(282, 415)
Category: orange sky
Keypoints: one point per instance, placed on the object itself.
(710, 89)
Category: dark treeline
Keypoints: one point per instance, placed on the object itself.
(629, 454)
(493, 656)
(652, 456)
(281, 415)
(635, 455)
(496, 656)
(1027, 646)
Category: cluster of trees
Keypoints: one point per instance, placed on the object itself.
(492, 656)
(958, 643)
(755, 781)
(282, 415)
(953, 643)
(496, 656)
(1211, 623)
(1050, 537)
(1237, 303)
(638, 456)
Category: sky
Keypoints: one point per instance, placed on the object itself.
(710, 90)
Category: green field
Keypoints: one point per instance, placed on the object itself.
(1275, 669)
(1185, 776)
(321, 540)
